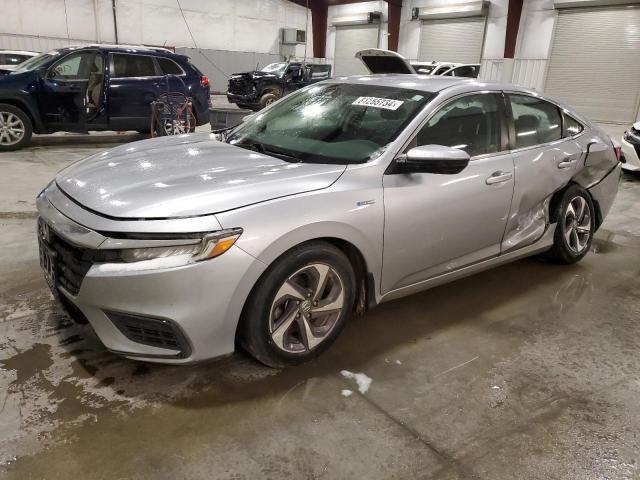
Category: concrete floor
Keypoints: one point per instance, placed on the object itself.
(526, 371)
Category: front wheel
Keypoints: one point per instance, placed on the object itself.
(575, 226)
(267, 99)
(299, 305)
(15, 128)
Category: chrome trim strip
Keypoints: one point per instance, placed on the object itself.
(71, 231)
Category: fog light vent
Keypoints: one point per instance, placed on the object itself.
(155, 332)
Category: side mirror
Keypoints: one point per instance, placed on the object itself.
(433, 159)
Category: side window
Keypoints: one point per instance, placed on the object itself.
(536, 121)
(125, 65)
(320, 71)
(571, 126)
(169, 67)
(470, 123)
(76, 66)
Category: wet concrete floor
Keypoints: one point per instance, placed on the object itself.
(527, 371)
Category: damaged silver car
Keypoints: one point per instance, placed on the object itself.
(344, 195)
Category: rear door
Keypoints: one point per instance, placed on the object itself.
(439, 223)
(135, 81)
(544, 163)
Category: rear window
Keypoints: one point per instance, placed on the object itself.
(169, 67)
(536, 121)
(125, 65)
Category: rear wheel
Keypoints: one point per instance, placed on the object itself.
(299, 306)
(15, 128)
(575, 226)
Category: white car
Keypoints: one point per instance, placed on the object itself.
(10, 59)
(432, 68)
(631, 148)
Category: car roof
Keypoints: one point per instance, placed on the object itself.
(120, 48)
(426, 83)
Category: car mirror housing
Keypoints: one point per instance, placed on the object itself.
(433, 159)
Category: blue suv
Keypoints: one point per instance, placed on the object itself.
(96, 87)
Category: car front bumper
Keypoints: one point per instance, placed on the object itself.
(169, 314)
(250, 100)
(631, 150)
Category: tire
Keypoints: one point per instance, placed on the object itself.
(576, 219)
(15, 128)
(288, 301)
(145, 131)
(267, 99)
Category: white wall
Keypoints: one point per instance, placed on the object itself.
(234, 25)
(533, 46)
(351, 9)
(494, 36)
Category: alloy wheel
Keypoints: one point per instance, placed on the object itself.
(306, 308)
(12, 128)
(577, 224)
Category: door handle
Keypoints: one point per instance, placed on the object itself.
(566, 162)
(499, 177)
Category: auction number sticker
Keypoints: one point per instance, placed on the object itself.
(385, 103)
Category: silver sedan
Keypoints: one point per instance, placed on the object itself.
(346, 194)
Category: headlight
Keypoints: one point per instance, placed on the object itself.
(210, 245)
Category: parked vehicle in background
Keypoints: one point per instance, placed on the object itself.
(10, 59)
(94, 87)
(630, 143)
(257, 89)
(432, 68)
(468, 71)
(339, 197)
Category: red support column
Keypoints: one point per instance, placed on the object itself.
(513, 23)
(319, 25)
(394, 25)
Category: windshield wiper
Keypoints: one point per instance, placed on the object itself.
(261, 148)
(223, 132)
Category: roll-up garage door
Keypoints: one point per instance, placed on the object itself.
(595, 62)
(349, 40)
(456, 40)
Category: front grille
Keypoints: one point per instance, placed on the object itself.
(155, 332)
(73, 263)
(240, 86)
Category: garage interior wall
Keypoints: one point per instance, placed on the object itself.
(494, 36)
(457, 40)
(606, 90)
(224, 26)
(355, 37)
(534, 44)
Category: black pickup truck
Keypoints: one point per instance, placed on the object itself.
(257, 89)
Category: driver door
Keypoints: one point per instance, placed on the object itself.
(71, 92)
(438, 223)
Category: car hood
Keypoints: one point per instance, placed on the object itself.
(186, 175)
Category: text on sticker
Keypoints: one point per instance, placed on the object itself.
(385, 103)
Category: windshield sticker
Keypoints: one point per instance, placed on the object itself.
(376, 102)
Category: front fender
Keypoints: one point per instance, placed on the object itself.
(274, 227)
